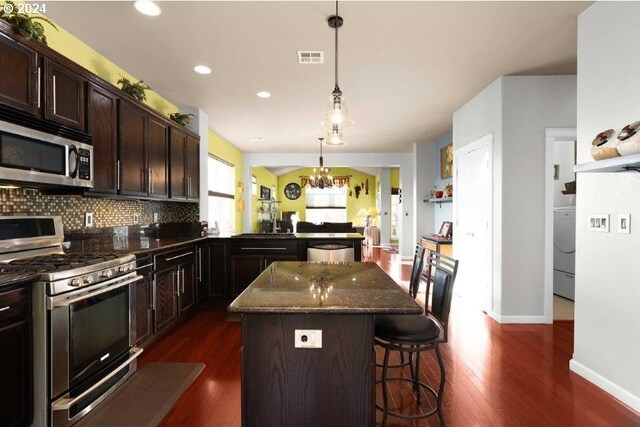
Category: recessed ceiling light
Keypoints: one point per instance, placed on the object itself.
(202, 69)
(263, 94)
(257, 139)
(147, 8)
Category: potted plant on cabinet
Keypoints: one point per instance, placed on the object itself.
(23, 23)
(134, 89)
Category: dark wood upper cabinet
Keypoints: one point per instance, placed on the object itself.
(158, 158)
(102, 124)
(19, 80)
(193, 168)
(65, 94)
(178, 177)
(132, 137)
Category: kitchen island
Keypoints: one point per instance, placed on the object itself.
(308, 336)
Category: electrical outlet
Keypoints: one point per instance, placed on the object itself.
(308, 338)
(88, 219)
(136, 218)
(598, 223)
(624, 223)
(155, 217)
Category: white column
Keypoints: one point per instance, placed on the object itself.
(385, 206)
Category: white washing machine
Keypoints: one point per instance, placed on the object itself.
(564, 251)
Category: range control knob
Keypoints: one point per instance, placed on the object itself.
(87, 279)
(75, 282)
(106, 273)
(124, 269)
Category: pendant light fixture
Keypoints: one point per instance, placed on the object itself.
(320, 177)
(337, 116)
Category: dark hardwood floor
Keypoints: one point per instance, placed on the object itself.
(511, 375)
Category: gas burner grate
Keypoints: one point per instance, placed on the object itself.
(56, 263)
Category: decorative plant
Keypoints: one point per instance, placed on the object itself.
(22, 22)
(432, 193)
(181, 119)
(448, 190)
(134, 89)
(357, 189)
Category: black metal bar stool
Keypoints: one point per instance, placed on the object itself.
(419, 333)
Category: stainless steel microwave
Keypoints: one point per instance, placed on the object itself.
(31, 156)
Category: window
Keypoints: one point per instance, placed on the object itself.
(326, 205)
(221, 185)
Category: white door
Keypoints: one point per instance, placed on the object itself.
(472, 231)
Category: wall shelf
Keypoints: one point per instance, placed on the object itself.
(439, 201)
(616, 164)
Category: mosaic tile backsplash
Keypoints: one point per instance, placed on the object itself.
(106, 212)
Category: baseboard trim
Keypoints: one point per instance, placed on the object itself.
(516, 319)
(610, 387)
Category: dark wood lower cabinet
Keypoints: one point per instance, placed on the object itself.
(15, 374)
(287, 386)
(215, 270)
(244, 270)
(165, 298)
(187, 281)
(144, 312)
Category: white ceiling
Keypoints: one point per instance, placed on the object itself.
(283, 170)
(405, 67)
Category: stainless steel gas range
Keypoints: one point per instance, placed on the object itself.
(84, 318)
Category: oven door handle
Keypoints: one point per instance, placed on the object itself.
(68, 302)
(66, 403)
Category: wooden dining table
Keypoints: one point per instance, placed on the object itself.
(307, 342)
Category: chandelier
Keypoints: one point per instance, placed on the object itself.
(320, 177)
(337, 116)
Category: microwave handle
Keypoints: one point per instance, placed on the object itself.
(73, 150)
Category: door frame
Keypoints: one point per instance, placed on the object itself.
(485, 141)
(551, 136)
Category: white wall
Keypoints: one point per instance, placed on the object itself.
(564, 157)
(424, 160)
(481, 116)
(404, 161)
(384, 198)
(607, 325)
(516, 110)
(529, 105)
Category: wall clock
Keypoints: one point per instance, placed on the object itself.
(292, 191)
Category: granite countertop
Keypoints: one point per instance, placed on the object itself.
(292, 236)
(10, 279)
(339, 288)
(128, 245)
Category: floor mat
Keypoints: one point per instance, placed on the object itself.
(145, 398)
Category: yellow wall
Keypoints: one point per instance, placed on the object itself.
(266, 178)
(222, 149)
(353, 204)
(73, 48)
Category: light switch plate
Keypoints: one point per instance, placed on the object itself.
(88, 219)
(155, 217)
(624, 223)
(598, 223)
(308, 338)
(136, 218)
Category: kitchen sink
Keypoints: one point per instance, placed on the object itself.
(265, 236)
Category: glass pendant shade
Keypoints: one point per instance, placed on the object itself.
(335, 137)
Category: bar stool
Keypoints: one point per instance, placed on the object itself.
(419, 333)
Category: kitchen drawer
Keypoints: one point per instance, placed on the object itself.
(175, 257)
(252, 247)
(15, 304)
(144, 264)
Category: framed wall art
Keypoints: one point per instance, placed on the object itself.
(446, 161)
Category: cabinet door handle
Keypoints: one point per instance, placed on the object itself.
(199, 264)
(177, 273)
(5, 308)
(179, 256)
(150, 180)
(54, 94)
(182, 282)
(153, 294)
(118, 175)
(263, 249)
(38, 85)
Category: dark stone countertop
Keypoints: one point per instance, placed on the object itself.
(291, 236)
(342, 288)
(8, 280)
(435, 239)
(129, 245)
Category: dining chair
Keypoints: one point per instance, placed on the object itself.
(415, 334)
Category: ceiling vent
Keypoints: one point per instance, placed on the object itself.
(310, 57)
